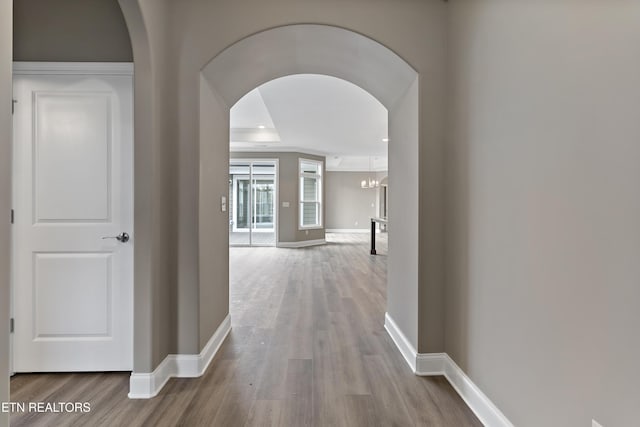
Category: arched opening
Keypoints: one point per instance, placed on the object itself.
(287, 120)
(310, 49)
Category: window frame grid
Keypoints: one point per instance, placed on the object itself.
(318, 176)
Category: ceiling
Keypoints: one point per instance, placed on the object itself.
(315, 114)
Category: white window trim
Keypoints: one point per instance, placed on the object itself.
(319, 176)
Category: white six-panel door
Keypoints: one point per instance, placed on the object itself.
(73, 186)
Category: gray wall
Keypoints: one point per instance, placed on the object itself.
(403, 263)
(157, 307)
(543, 293)
(213, 296)
(347, 205)
(288, 184)
(5, 197)
(70, 30)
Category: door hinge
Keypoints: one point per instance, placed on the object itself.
(13, 105)
(13, 216)
(11, 325)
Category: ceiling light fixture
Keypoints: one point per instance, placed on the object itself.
(261, 126)
(385, 139)
(370, 182)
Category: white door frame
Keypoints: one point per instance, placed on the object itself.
(276, 211)
(25, 68)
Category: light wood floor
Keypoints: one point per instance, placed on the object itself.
(307, 348)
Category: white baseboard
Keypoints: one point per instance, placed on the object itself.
(431, 364)
(148, 385)
(480, 404)
(351, 230)
(302, 243)
(213, 345)
(407, 349)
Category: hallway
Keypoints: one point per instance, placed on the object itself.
(307, 347)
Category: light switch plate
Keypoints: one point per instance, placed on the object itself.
(285, 204)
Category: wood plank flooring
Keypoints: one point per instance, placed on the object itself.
(307, 348)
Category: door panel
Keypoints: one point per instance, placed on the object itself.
(77, 284)
(73, 190)
(71, 156)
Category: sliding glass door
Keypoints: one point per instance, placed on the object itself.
(252, 202)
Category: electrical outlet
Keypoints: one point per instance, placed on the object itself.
(223, 203)
(355, 223)
(285, 204)
(594, 423)
(306, 232)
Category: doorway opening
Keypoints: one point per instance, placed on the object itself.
(253, 201)
(330, 51)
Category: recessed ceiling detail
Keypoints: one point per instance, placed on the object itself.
(316, 114)
(250, 135)
(251, 112)
(356, 163)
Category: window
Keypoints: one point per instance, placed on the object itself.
(310, 194)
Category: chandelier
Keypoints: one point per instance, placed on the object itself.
(370, 182)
